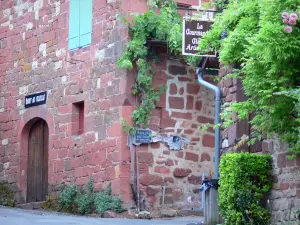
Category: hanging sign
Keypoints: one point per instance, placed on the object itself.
(193, 30)
(35, 99)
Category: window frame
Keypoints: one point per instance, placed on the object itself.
(84, 15)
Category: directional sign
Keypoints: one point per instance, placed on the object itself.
(143, 136)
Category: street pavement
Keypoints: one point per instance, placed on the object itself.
(35, 217)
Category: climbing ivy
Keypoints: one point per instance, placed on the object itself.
(261, 37)
(221, 4)
(164, 26)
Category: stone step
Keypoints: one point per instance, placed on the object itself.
(191, 212)
(31, 205)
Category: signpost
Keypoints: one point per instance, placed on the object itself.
(35, 99)
(193, 30)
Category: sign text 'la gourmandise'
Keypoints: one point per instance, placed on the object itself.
(193, 30)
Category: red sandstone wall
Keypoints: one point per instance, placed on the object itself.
(183, 107)
(283, 200)
(34, 57)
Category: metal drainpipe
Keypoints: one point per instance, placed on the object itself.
(210, 86)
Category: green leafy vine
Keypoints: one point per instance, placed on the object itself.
(262, 37)
(144, 27)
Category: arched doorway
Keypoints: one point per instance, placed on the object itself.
(37, 170)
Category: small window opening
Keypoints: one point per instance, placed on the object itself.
(78, 118)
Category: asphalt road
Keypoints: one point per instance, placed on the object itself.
(29, 217)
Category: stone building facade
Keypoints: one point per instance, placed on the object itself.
(283, 201)
(78, 129)
(86, 97)
(182, 109)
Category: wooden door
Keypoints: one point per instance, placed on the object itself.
(37, 174)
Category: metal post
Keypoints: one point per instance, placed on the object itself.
(202, 194)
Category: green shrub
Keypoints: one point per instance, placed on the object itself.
(116, 204)
(244, 179)
(67, 198)
(6, 196)
(51, 203)
(105, 201)
(85, 198)
(74, 200)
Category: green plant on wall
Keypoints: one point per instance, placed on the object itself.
(244, 179)
(164, 26)
(262, 38)
(221, 4)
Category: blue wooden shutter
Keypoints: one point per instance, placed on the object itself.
(86, 17)
(74, 22)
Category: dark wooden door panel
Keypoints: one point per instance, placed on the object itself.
(37, 177)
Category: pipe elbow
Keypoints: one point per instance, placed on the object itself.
(199, 72)
(218, 94)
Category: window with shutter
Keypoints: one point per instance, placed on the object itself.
(80, 23)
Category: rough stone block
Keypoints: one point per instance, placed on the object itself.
(193, 89)
(205, 157)
(198, 105)
(167, 122)
(281, 160)
(176, 102)
(203, 120)
(208, 141)
(161, 169)
(190, 102)
(191, 156)
(173, 89)
(181, 172)
(149, 179)
(166, 152)
(179, 154)
(181, 91)
(145, 157)
(169, 162)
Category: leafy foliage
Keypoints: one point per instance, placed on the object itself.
(67, 198)
(84, 201)
(221, 4)
(6, 196)
(244, 179)
(105, 201)
(147, 26)
(269, 63)
(51, 203)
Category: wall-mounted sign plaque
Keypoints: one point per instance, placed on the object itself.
(35, 99)
(143, 136)
(193, 30)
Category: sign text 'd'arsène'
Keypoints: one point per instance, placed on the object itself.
(193, 30)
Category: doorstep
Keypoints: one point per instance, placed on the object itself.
(31, 205)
